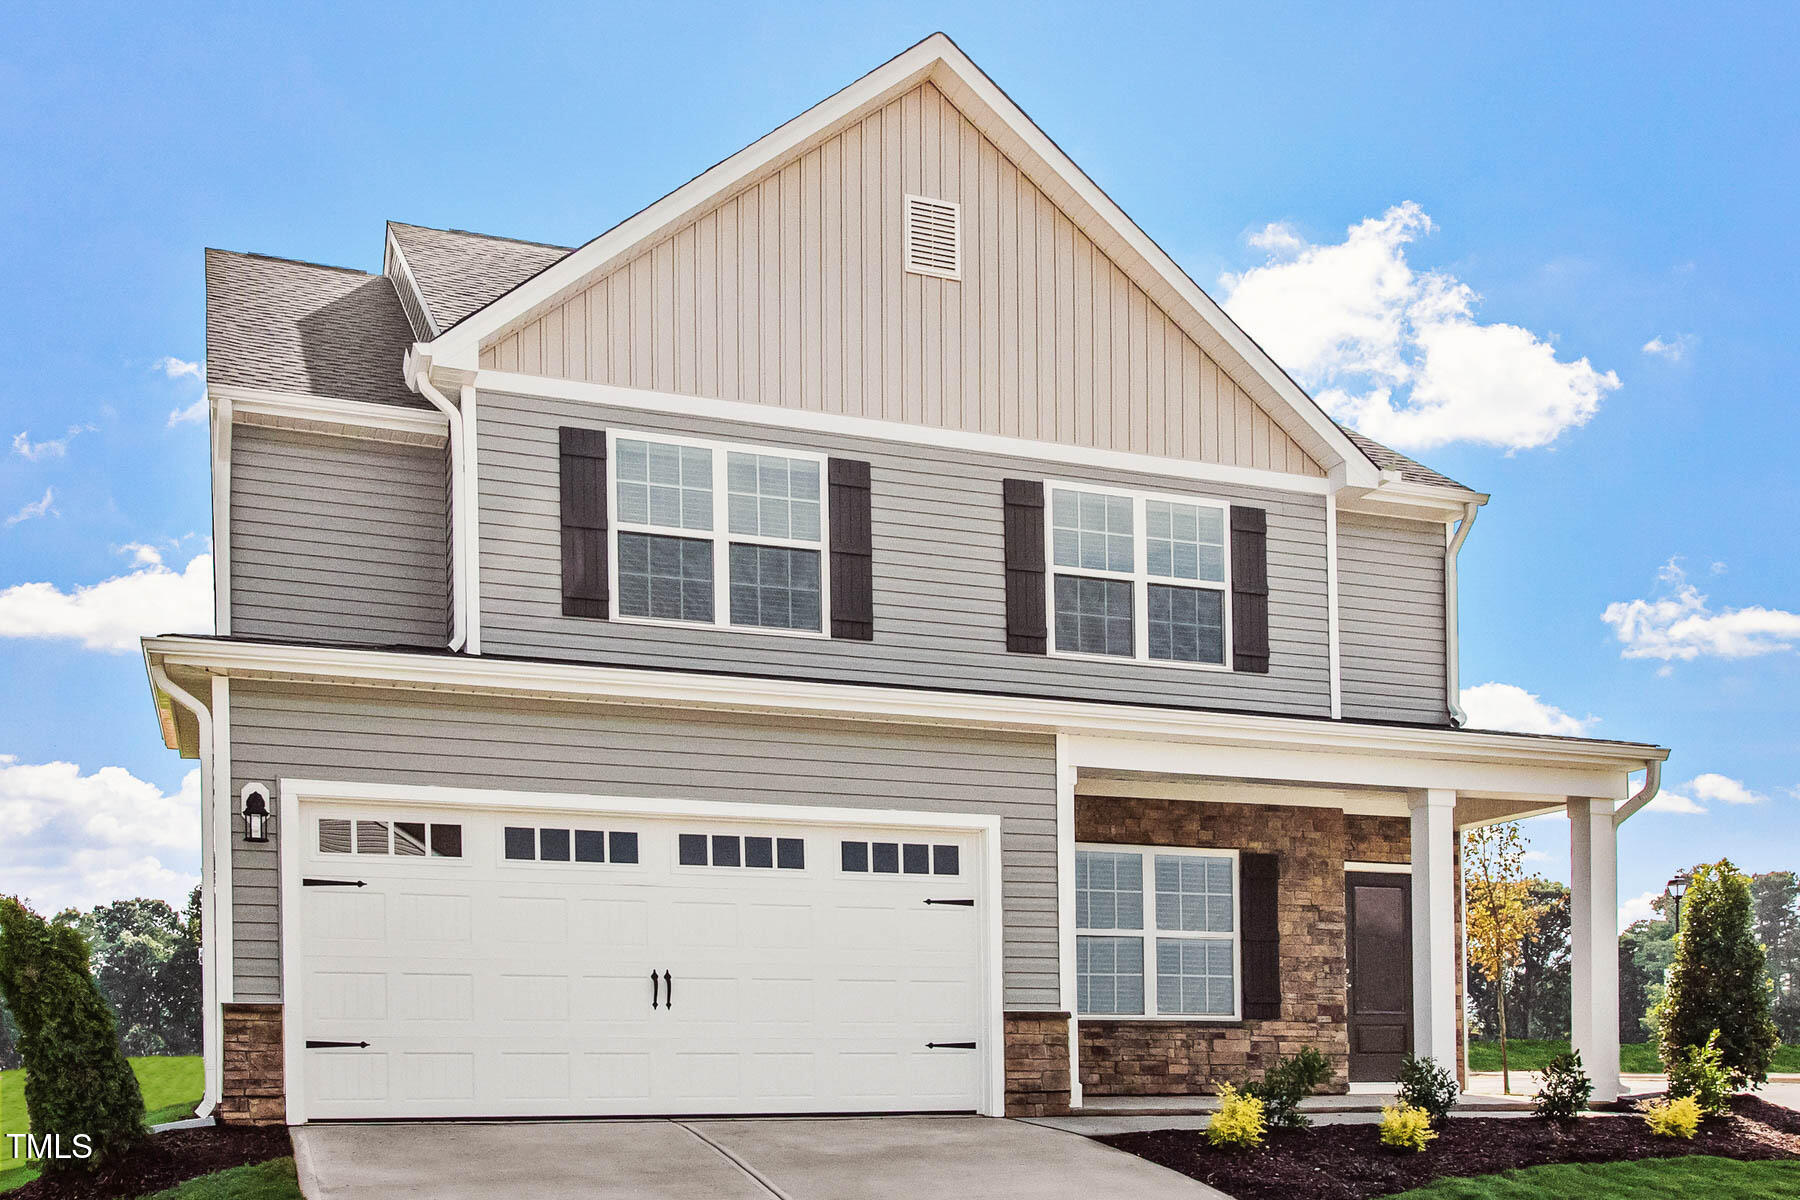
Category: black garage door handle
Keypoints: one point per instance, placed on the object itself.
(668, 990)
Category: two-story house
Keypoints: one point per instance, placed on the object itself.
(865, 634)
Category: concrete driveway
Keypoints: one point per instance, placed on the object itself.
(792, 1159)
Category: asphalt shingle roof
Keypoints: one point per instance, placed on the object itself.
(1392, 460)
(300, 327)
(458, 272)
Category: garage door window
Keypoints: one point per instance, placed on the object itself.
(730, 850)
(900, 858)
(400, 839)
(525, 843)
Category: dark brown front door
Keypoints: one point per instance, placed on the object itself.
(1379, 908)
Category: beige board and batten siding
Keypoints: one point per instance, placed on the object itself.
(939, 574)
(1391, 618)
(372, 736)
(793, 292)
(338, 539)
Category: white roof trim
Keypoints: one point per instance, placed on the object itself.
(939, 59)
(357, 418)
(1132, 730)
(393, 255)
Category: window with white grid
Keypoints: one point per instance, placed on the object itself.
(1156, 932)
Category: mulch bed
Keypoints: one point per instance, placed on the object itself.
(163, 1161)
(1348, 1162)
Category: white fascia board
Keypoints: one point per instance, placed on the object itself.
(812, 421)
(939, 59)
(1107, 734)
(394, 257)
(263, 406)
(1411, 501)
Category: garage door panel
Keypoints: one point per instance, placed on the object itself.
(489, 985)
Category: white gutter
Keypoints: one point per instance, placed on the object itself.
(211, 1031)
(1452, 667)
(1645, 794)
(419, 380)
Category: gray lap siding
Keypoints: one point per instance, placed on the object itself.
(939, 579)
(1391, 619)
(373, 736)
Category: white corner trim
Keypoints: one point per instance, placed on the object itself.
(225, 901)
(1067, 988)
(939, 59)
(1333, 638)
(471, 528)
(262, 406)
(767, 415)
(290, 793)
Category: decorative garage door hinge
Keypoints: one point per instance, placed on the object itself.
(312, 1045)
(949, 1045)
(332, 883)
(963, 903)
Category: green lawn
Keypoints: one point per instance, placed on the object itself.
(272, 1180)
(1650, 1179)
(1532, 1054)
(171, 1087)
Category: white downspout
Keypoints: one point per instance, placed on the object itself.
(211, 1033)
(1645, 794)
(419, 380)
(1452, 665)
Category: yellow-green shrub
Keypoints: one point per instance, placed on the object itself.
(1406, 1127)
(1677, 1118)
(1238, 1125)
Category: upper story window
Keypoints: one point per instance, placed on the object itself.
(1138, 576)
(715, 534)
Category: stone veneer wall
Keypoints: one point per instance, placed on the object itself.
(1037, 1064)
(253, 1089)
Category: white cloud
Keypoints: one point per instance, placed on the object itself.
(1674, 349)
(1680, 624)
(1724, 789)
(1674, 802)
(50, 448)
(1507, 706)
(1398, 353)
(1638, 908)
(142, 554)
(37, 508)
(112, 615)
(178, 368)
(75, 839)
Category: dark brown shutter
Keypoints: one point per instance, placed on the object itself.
(852, 552)
(1027, 629)
(583, 464)
(1259, 898)
(1249, 589)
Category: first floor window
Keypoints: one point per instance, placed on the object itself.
(1156, 932)
(754, 561)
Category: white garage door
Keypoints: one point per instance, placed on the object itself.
(475, 963)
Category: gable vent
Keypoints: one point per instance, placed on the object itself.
(933, 237)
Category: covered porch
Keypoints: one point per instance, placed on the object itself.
(1361, 954)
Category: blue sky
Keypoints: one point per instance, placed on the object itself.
(1564, 230)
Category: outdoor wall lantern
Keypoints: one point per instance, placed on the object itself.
(256, 816)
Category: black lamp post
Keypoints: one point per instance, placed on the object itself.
(1677, 888)
(256, 818)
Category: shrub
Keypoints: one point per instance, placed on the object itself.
(1676, 1118)
(1719, 980)
(1564, 1088)
(1238, 1125)
(1287, 1083)
(1406, 1127)
(1700, 1072)
(77, 1079)
(1428, 1084)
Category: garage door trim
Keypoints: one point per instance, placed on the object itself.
(291, 793)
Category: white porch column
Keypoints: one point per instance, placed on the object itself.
(1434, 964)
(1065, 908)
(1594, 942)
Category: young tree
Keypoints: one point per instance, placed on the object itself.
(1719, 980)
(1501, 912)
(77, 1080)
